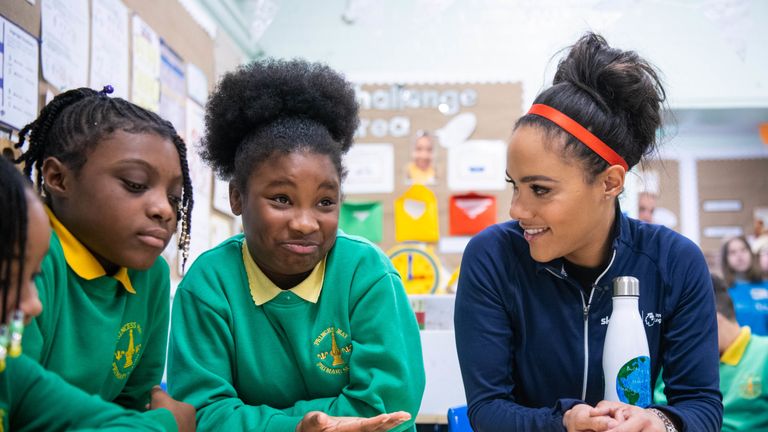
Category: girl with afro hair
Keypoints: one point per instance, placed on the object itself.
(292, 325)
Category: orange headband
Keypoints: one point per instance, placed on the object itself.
(580, 132)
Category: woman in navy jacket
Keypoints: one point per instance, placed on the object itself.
(534, 294)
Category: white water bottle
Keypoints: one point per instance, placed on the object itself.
(626, 359)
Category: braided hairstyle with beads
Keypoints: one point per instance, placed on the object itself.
(13, 230)
(75, 121)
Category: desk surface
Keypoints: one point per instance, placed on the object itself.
(432, 419)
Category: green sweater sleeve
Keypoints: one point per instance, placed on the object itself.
(149, 371)
(41, 400)
(200, 370)
(386, 372)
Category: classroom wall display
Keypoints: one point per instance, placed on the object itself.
(416, 217)
(202, 181)
(65, 27)
(172, 88)
(471, 213)
(145, 65)
(18, 86)
(362, 218)
(419, 267)
(111, 47)
(110, 55)
(370, 169)
(452, 114)
(729, 180)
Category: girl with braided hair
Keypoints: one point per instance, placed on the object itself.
(292, 325)
(31, 398)
(115, 182)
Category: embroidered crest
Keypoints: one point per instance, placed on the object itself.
(128, 349)
(335, 348)
(752, 387)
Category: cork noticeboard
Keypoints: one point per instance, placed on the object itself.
(729, 191)
(390, 115)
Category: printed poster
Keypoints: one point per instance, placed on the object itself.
(64, 34)
(18, 75)
(146, 66)
(109, 46)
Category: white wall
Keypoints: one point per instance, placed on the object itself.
(712, 53)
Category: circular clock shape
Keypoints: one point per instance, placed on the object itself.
(418, 266)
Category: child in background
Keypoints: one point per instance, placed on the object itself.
(293, 317)
(31, 398)
(115, 181)
(743, 369)
(744, 279)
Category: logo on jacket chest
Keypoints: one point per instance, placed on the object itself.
(127, 349)
(333, 348)
(650, 319)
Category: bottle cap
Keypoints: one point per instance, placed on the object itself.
(626, 286)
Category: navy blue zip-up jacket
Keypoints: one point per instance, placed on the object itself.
(530, 341)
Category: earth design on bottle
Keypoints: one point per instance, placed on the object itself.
(633, 382)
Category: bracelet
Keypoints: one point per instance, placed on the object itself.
(670, 427)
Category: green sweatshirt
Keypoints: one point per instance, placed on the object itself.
(33, 399)
(743, 382)
(104, 334)
(349, 348)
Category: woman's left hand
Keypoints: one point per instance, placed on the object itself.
(631, 418)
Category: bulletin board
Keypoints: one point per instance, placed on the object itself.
(184, 42)
(390, 115)
(729, 191)
(182, 33)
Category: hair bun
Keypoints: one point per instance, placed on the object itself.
(621, 82)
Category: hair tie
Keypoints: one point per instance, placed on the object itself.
(108, 89)
(580, 132)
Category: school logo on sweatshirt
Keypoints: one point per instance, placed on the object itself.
(751, 387)
(3, 419)
(332, 349)
(127, 350)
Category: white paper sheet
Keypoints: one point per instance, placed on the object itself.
(172, 89)
(371, 169)
(197, 84)
(202, 179)
(109, 46)
(64, 36)
(18, 82)
(146, 66)
(477, 165)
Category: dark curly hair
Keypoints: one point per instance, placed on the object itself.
(13, 230)
(283, 106)
(615, 94)
(75, 121)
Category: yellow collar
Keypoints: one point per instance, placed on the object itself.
(732, 355)
(264, 290)
(80, 259)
